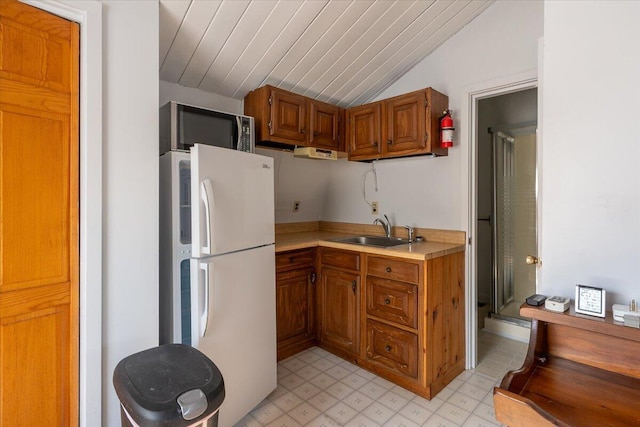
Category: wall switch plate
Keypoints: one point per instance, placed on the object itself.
(374, 208)
(296, 206)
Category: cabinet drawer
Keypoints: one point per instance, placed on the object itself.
(294, 259)
(341, 259)
(393, 269)
(393, 301)
(393, 348)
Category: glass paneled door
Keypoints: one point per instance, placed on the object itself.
(514, 209)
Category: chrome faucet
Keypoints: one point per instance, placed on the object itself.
(385, 224)
(410, 233)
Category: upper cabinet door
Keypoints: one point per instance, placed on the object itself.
(324, 122)
(288, 116)
(406, 119)
(364, 136)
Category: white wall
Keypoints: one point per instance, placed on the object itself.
(299, 179)
(198, 98)
(428, 192)
(590, 213)
(130, 187)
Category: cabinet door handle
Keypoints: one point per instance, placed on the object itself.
(389, 141)
(388, 269)
(375, 143)
(316, 133)
(353, 286)
(387, 301)
(291, 259)
(387, 348)
(312, 277)
(303, 130)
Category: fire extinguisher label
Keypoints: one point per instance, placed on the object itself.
(447, 135)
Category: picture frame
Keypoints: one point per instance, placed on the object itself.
(590, 300)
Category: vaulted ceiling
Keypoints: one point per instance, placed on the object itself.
(340, 51)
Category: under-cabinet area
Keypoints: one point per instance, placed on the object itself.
(398, 313)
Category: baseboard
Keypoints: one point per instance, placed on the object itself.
(507, 330)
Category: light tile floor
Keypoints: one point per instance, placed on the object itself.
(318, 389)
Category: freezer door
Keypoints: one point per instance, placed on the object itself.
(234, 323)
(233, 200)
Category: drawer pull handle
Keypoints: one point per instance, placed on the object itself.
(291, 259)
(388, 269)
(353, 286)
(387, 301)
(387, 348)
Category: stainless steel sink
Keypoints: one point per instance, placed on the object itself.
(380, 241)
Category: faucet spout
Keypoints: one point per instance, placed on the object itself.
(385, 223)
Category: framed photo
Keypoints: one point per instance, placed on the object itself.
(590, 300)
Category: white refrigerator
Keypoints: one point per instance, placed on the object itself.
(217, 267)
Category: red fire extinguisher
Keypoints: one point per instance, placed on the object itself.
(446, 129)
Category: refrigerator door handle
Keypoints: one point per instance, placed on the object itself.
(209, 214)
(204, 318)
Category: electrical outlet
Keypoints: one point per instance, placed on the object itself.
(374, 208)
(296, 206)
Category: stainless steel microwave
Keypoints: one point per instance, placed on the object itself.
(183, 125)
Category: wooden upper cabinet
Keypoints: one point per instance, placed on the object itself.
(288, 116)
(409, 126)
(284, 117)
(324, 125)
(406, 123)
(364, 134)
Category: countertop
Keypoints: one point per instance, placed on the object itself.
(418, 251)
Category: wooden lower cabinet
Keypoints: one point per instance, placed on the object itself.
(393, 348)
(401, 319)
(340, 317)
(339, 305)
(405, 324)
(295, 300)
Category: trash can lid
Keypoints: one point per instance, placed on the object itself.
(149, 384)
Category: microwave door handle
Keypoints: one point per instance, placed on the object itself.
(206, 189)
(238, 138)
(204, 318)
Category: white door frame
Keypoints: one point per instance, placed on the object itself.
(88, 13)
(471, 95)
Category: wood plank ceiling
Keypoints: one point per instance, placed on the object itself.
(340, 51)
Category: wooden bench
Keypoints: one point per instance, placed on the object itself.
(579, 371)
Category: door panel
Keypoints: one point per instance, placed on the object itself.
(364, 135)
(293, 300)
(234, 191)
(35, 206)
(39, 263)
(323, 124)
(515, 234)
(234, 323)
(341, 309)
(288, 115)
(406, 123)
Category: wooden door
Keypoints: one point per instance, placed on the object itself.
(324, 125)
(341, 309)
(288, 116)
(293, 304)
(406, 123)
(364, 134)
(39, 268)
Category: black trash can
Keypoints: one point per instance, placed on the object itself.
(173, 385)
